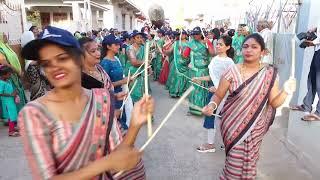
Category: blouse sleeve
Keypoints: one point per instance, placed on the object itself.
(228, 73)
(105, 65)
(37, 142)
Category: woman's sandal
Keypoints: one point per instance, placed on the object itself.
(298, 108)
(311, 117)
(204, 148)
(14, 134)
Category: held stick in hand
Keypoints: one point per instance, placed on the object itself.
(129, 94)
(183, 97)
(146, 84)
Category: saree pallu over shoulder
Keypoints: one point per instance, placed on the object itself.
(55, 147)
(246, 106)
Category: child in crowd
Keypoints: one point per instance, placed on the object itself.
(8, 99)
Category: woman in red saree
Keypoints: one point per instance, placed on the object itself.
(249, 109)
(165, 63)
(70, 133)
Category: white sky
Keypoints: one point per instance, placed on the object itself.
(218, 8)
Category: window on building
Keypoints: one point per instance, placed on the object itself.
(123, 21)
(131, 19)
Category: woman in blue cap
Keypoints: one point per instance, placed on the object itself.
(70, 132)
(112, 65)
(199, 52)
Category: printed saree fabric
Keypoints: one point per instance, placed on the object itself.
(246, 117)
(54, 147)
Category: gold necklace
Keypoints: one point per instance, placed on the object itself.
(242, 72)
(95, 73)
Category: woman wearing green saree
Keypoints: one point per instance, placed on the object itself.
(135, 60)
(157, 63)
(179, 71)
(9, 58)
(199, 53)
(237, 41)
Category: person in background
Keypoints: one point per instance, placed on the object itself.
(112, 65)
(237, 42)
(179, 81)
(125, 38)
(157, 62)
(199, 52)
(77, 35)
(264, 30)
(215, 37)
(35, 30)
(8, 99)
(99, 38)
(222, 31)
(313, 81)
(39, 85)
(9, 58)
(90, 35)
(136, 55)
(231, 32)
(218, 65)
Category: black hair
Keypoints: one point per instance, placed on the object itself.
(4, 70)
(216, 33)
(94, 32)
(257, 37)
(83, 41)
(32, 28)
(74, 34)
(228, 42)
(231, 32)
(83, 34)
(222, 30)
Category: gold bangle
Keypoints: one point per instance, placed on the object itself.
(214, 103)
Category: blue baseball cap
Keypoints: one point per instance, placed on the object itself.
(161, 31)
(196, 31)
(111, 39)
(49, 35)
(136, 32)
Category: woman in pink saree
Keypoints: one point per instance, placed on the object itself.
(70, 133)
(249, 110)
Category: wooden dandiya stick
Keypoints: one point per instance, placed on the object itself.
(293, 54)
(146, 85)
(128, 80)
(163, 122)
(199, 85)
(137, 71)
(180, 41)
(127, 86)
(129, 94)
(136, 75)
(198, 108)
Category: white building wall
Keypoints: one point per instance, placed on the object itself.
(302, 136)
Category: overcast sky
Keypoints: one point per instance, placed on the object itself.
(217, 8)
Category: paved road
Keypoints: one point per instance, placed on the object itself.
(172, 155)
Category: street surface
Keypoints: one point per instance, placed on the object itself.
(172, 155)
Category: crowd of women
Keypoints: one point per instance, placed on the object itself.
(88, 102)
